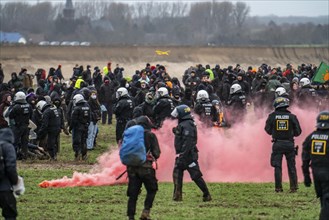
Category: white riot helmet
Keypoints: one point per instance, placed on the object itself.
(121, 92)
(78, 98)
(162, 92)
(202, 94)
(280, 91)
(304, 82)
(40, 105)
(20, 97)
(235, 88)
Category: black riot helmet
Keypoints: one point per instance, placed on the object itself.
(281, 102)
(322, 121)
(181, 112)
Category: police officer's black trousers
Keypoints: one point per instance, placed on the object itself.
(52, 143)
(21, 134)
(321, 185)
(195, 174)
(8, 205)
(119, 129)
(138, 176)
(279, 150)
(80, 141)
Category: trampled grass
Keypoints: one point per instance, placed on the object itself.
(230, 200)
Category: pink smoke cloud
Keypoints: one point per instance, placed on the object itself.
(239, 154)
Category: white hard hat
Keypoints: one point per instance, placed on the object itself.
(162, 91)
(78, 98)
(40, 105)
(304, 82)
(121, 92)
(235, 88)
(202, 94)
(280, 91)
(20, 97)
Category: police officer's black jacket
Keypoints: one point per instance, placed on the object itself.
(238, 101)
(80, 116)
(124, 108)
(9, 154)
(306, 94)
(21, 114)
(163, 108)
(203, 108)
(316, 149)
(51, 121)
(283, 125)
(186, 140)
(147, 109)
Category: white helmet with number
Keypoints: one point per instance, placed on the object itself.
(280, 91)
(304, 82)
(121, 92)
(78, 98)
(20, 97)
(40, 105)
(235, 88)
(162, 92)
(202, 94)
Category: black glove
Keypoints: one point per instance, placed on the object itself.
(307, 181)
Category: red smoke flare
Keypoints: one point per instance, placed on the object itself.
(239, 154)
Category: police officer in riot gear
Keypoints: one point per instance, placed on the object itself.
(316, 154)
(283, 126)
(306, 95)
(163, 107)
(20, 113)
(203, 107)
(187, 151)
(50, 126)
(79, 124)
(123, 111)
(237, 104)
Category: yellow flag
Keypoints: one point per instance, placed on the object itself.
(160, 52)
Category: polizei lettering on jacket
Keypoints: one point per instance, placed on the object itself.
(282, 117)
(320, 137)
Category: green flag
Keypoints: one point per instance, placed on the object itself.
(322, 73)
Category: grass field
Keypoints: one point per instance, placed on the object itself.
(230, 200)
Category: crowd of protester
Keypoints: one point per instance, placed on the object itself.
(39, 106)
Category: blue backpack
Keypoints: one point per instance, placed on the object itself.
(133, 151)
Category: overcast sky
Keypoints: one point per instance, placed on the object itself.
(257, 7)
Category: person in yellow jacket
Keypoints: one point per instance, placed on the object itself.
(211, 73)
(78, 83)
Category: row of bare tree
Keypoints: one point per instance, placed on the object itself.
(218, 23)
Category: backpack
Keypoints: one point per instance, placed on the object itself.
(133, 151)
(2, 162)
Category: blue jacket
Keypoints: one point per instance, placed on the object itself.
(8, 151)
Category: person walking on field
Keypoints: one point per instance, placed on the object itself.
(187, 151)
(145, 173)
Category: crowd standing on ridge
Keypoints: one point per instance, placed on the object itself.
(219, 97)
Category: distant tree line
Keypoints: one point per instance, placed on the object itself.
(142, 23)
